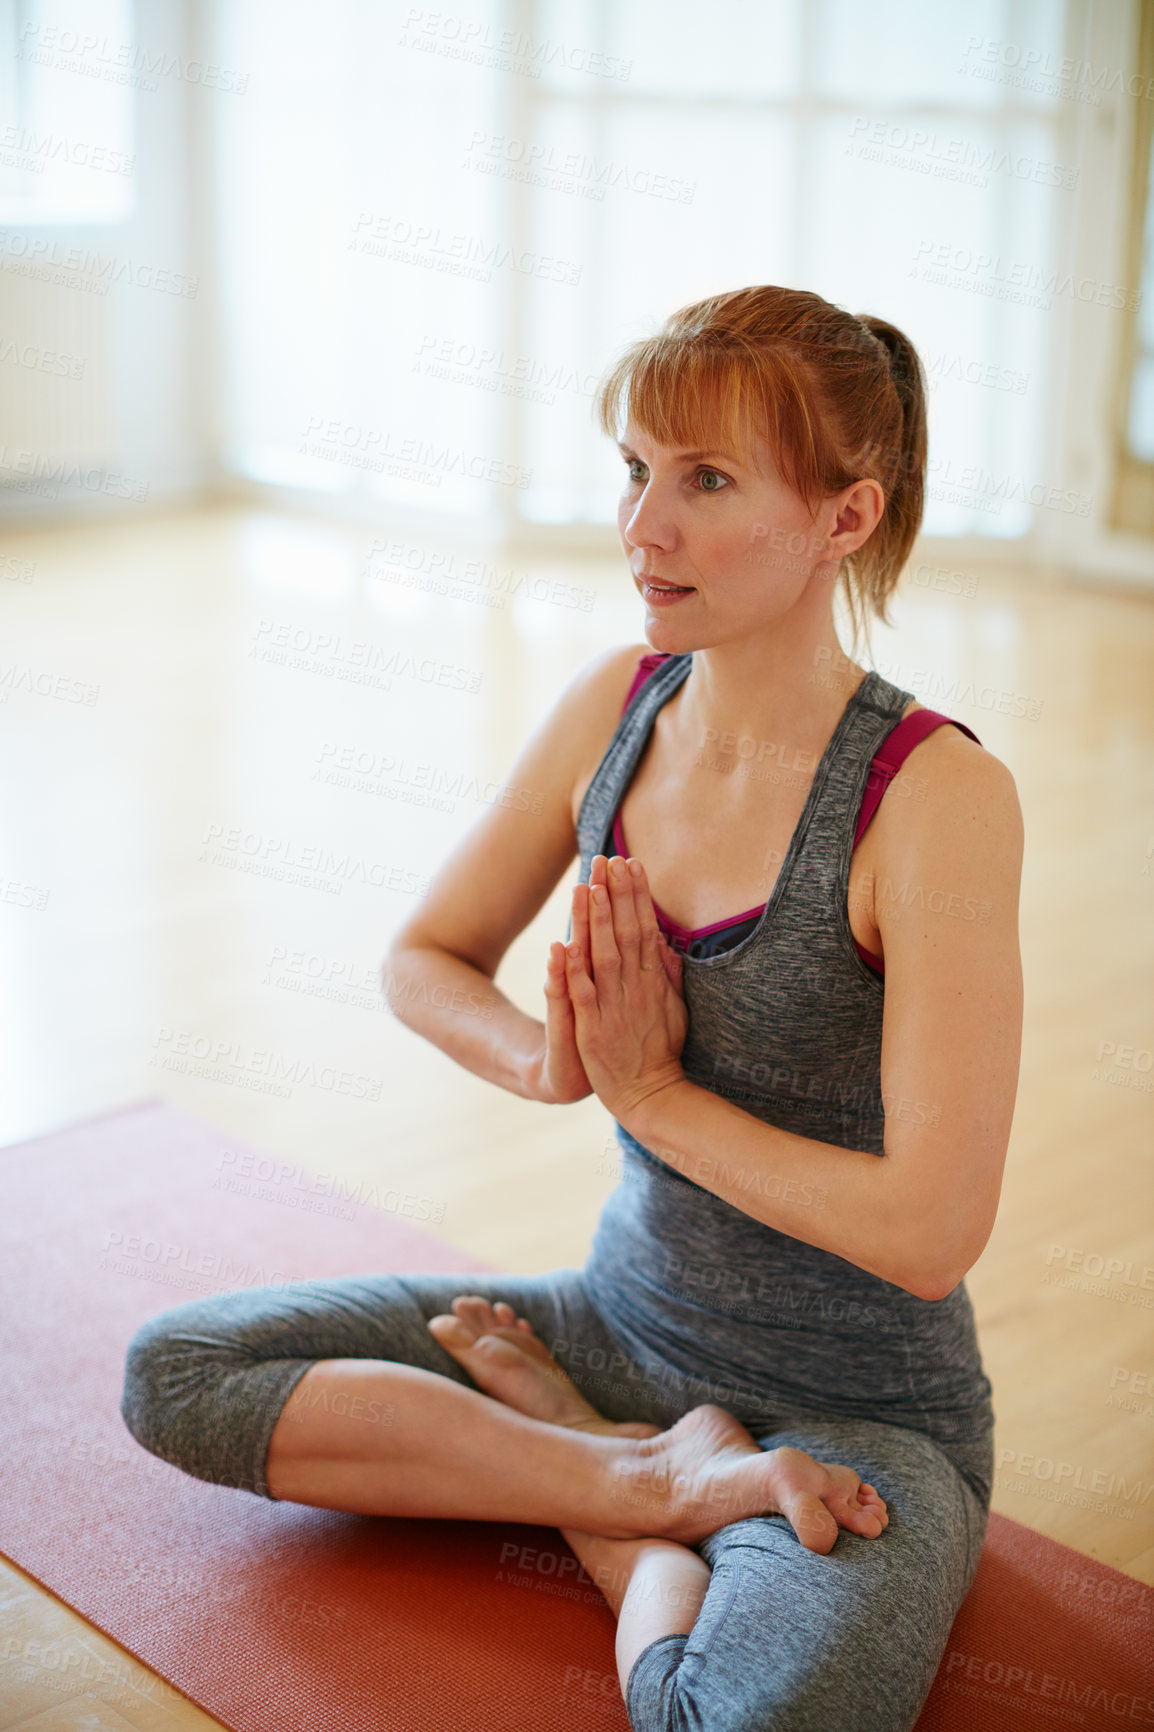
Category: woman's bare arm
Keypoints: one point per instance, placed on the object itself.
(438, 975)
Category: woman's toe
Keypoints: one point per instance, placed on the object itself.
(451, 1331)
(474, 1311)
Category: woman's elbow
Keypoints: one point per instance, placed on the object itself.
(926, 1280)
(933, 1268)
(934, 1284)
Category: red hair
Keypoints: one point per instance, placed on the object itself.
(839, 399)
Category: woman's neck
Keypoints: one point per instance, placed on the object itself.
(788, 690)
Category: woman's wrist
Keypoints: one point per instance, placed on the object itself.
(462, 1010)
(531, 1066)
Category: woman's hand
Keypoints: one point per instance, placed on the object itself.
(561, 1076)
(629, 1017)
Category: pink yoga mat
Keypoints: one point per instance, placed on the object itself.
(277, 1618)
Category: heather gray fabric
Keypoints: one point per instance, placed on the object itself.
(786, 1023)
(685, 1299)
(785, 1638)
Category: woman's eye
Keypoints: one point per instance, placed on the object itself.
(711, 481)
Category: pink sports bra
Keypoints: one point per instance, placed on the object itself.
(888, 760)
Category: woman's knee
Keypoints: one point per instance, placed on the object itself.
(670, 1690)
(158, 1360)
(659, 1696)
(176, 1359)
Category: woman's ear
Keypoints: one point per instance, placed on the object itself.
(857, 511)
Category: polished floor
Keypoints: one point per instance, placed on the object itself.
(236, 741)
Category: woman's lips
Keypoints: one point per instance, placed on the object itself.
(663, 595)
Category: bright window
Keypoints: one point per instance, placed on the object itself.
(1140, 430)
(69, 70)
(438, 231)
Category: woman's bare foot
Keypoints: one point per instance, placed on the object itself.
(508, 1361)
(707, 1471)
(699, 1475)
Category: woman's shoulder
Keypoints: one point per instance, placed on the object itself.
(611, 678)
(953, 786)
(952, 749)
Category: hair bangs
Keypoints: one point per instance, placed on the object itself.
(691, 395)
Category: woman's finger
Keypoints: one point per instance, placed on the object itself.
(655, 947)
(626, 929)
(582, 991)
(603, 944)
(556, 990)
(651, 945)
(560, 1021)
(560, 1026)
(579, 926)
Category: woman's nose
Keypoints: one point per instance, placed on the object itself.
(650, 524)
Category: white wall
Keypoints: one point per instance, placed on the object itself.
(1087, 336)
(140, 408)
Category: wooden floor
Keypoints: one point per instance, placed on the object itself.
(165, 682)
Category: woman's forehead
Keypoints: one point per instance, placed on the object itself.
(708, 443)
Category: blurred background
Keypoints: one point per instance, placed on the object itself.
(304, 521)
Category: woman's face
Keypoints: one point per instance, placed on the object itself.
(740, 546)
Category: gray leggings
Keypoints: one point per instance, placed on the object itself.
(786, 1640)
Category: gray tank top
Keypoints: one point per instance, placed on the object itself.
(786, 1023)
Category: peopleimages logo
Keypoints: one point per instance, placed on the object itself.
(84, 264)
(224, 1060)
(441, 572)
(126, 1253)
(1015, 280)
(478, 42)
(39, 148)
(568, 170)
(270, 1180)
(311, 867)
(923, 150)
(96, 56)
(1025, 1681)
(1039, 69)
(380, 235)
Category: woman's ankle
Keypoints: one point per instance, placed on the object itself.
(662, 1574)
(655, 1588)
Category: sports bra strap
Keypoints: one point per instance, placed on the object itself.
(644, 668)
(894, 750)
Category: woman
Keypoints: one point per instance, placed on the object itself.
(758, 1413)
